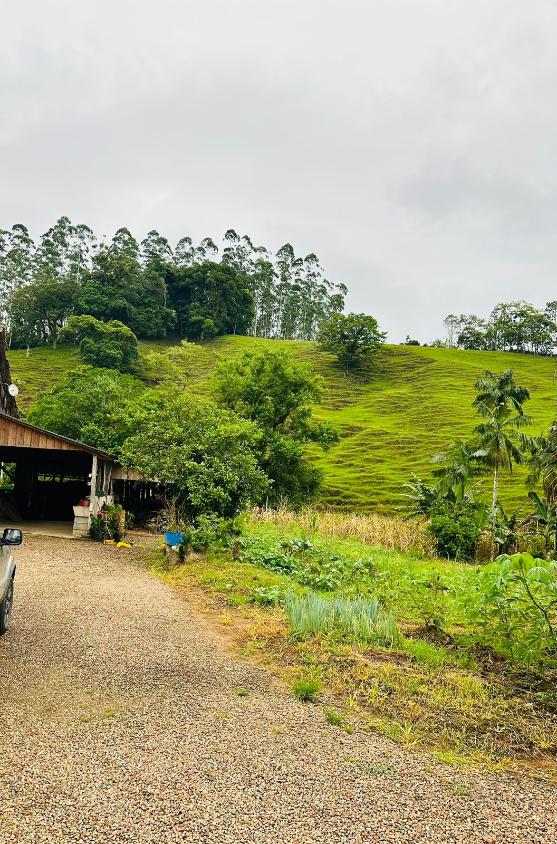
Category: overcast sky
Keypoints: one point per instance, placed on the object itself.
(412, 144)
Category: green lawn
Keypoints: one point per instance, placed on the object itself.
(391, 423)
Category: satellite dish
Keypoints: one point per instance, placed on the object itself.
(13, 390)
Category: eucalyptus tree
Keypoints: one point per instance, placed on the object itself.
(156, 250)
(184, 252)
(207, 250)
(452, 324)
(65, 250)
(17, 263)
(124, 244)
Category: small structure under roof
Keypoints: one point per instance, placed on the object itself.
(51, 478)
(54, 478)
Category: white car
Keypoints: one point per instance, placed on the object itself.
(10, 538)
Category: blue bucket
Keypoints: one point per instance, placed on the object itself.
(172, 537)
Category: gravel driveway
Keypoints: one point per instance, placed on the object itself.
(120, 721)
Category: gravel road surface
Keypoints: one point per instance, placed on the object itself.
(120, 721)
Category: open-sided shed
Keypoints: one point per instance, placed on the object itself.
(51, 475)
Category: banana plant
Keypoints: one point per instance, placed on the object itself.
(545, 516)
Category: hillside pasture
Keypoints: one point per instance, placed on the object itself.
(392, 420)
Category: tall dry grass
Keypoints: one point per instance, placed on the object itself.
(391, 532)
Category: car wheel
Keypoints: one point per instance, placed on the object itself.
(6, 608)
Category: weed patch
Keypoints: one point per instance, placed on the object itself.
(306, 689)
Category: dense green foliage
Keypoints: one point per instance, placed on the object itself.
(509, 605)
(95, 406)
(277, 392)
(355, 339)
(516, 605)
(511, 327)
(108, 345)
(118, 287)
(210, 299)
(205, 456)
(155, 289)
(38, 311)
(418, 402)
(456, 533)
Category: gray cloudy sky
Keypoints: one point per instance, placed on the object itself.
(412, 144)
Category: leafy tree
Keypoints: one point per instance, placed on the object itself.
(354, 338)
(204, 455)
(103, 344)
(95, 406)
(39, 310)
(276, 392)
(118, 288)
(512, 326)
(209, 291)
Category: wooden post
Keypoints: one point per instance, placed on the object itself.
(93, 492)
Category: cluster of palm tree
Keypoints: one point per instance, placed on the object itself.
(499, 443)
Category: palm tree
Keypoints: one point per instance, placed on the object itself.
(457, 466)
(498, 448)
(499, 402)
(497, 392)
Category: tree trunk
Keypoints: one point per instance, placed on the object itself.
(7, 402)
(494, 506)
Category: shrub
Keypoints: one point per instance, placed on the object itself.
(517, 608)
(109, 345)
(456, 535)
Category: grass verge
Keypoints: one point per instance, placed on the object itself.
(464, 709)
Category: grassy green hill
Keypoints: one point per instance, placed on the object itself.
(413, 406)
